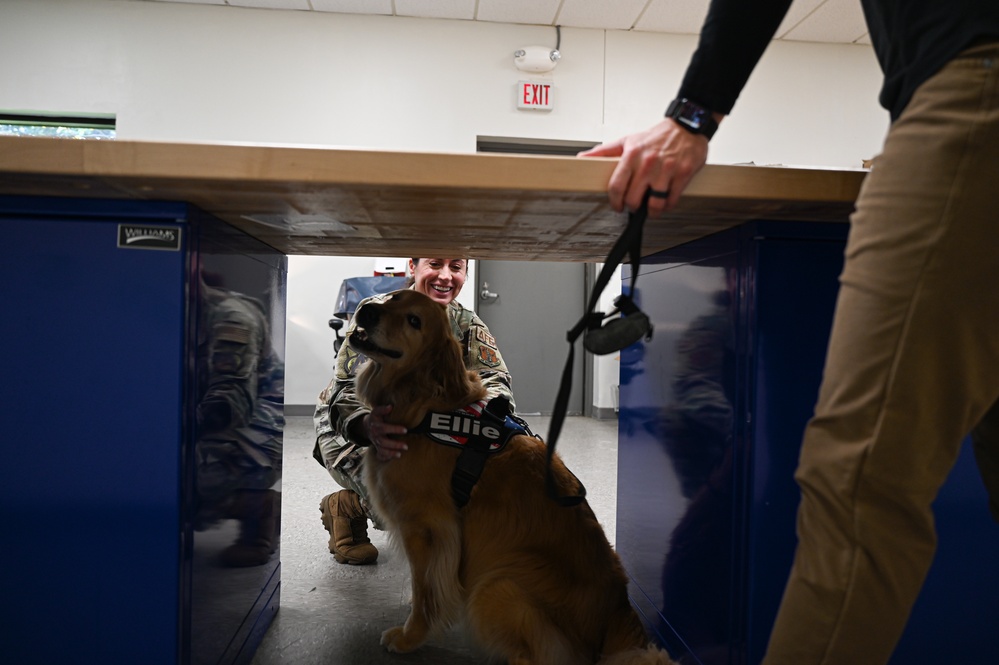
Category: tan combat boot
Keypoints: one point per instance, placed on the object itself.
(347, 523)
(259, 515)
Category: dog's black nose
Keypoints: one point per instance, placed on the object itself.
(367, 316)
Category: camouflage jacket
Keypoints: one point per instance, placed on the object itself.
(338, 406)
(240, 379)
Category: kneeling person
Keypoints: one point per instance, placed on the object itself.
(344, 427)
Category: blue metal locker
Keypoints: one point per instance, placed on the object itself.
(712, 410)
(102, 554)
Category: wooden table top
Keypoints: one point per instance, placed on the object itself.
(333, 201)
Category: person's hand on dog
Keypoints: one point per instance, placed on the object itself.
(663, 158)
(380, 433)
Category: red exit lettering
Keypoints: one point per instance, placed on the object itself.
(534, 95)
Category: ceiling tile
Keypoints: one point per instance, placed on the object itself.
(798, 12)
(272, 4)
(194, 2)
(378, 7)
(830, 21)
(617, 15)
(536, 12)
(460, 9)
(683, 17)
(836, 21)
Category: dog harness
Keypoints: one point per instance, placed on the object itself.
(479, 429)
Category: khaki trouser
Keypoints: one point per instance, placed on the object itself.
(912, 368)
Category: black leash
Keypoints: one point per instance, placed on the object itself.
(602, 339)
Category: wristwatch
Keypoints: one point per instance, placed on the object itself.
(692, 116)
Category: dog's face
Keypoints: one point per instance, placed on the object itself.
(402, 330)
(416, 362)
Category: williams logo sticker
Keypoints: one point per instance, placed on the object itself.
(148, 237)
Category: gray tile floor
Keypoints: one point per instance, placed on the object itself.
(333, 614)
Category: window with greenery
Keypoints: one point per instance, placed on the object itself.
(64, 126)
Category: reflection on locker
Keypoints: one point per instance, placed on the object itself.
(144, 397)
(712, 410)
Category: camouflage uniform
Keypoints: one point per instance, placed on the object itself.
(699, 421)
(240, 412)
(338, 405)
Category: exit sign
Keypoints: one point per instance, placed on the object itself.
(534, 95)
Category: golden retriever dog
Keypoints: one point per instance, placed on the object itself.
(534, 582)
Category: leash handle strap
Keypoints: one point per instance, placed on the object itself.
(629, 242)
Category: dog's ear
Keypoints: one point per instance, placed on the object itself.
(450, 373)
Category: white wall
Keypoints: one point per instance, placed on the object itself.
(204, 73)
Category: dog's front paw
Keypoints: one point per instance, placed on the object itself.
(395, 639)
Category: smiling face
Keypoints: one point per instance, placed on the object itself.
(441, 279)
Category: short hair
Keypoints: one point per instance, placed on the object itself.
(417, 261)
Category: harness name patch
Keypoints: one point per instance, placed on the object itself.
(479, 429)
(450, 424)
(458, 428)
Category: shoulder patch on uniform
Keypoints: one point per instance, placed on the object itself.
(488, 356)
(485, 337)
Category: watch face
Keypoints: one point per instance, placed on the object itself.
(692, 115)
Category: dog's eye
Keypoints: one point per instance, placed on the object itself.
(414, 321)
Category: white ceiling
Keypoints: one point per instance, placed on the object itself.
(831, 21)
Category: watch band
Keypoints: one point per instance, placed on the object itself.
(693, 117)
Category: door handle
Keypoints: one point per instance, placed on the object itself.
(485, 294)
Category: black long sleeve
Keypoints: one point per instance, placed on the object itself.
(734, 37)
(912, 39)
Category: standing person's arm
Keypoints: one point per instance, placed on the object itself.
(667, 156)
